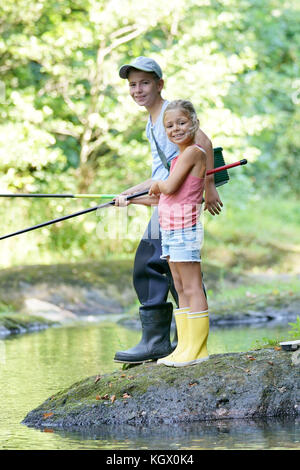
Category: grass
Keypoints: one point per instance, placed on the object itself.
(295, 329)
(6, 308)
(293, 334)
(254, 294)
(251, 295)
(254, 233)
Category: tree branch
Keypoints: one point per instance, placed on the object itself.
(124, 30)
(123, 39)
(96, 80)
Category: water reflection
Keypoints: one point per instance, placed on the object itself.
(223, 434)
(37, 365)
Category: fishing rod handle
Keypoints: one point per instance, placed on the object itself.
(226, 167)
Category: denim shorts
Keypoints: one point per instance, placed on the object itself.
(182, 244)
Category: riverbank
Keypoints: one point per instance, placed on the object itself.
(14, 323)
(40, 296)
(56, 362)
(247, 385)
(45, 295)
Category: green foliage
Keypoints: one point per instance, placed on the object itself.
(267, 342)
(67, 123)
(295, 331)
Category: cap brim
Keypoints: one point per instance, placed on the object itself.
(124, 70)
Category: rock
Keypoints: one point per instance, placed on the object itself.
(4, 331)
(14, 324)
(248, 385)
(46, 310)
(93, 288)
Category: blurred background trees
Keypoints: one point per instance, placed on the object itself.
(67, 123)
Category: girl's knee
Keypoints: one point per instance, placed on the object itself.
(178, 286)
(191, 290)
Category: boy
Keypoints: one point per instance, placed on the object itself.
(151, 275)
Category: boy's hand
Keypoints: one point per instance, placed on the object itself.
(212, 201)
(154, 189)
(121, 200)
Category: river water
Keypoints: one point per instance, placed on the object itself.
(36, 365)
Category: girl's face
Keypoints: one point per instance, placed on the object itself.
(179, 127)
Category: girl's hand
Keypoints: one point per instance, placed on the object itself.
(154, 189)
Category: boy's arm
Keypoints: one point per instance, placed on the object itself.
(212, 200)
(137, 188)
(120, 200)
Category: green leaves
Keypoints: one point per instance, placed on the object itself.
(67, 121)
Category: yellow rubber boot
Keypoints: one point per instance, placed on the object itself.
(196, 350)
(180, 315)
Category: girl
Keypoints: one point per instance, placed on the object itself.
(180, 198)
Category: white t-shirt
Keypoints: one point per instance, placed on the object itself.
(159, 172)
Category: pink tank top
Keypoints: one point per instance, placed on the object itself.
(181, 209)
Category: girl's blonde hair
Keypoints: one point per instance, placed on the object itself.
(187, 108)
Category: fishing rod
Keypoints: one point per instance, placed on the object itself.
(100, 196)
(227, 167)
(91, 196)
(110, 203)
(75, 214)
(220, 178)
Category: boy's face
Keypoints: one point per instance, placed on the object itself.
(143, 88)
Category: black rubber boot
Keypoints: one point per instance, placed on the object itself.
(155, 342)
(175, 340)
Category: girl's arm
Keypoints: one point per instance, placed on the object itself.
(191, 157)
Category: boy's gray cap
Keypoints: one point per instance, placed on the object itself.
(141, 63)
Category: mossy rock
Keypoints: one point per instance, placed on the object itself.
(15, 323)
(82, 288)
(249, 385)
(95, 273)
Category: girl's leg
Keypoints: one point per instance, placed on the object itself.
(197, 324)
(180, 315)
(191, 280)
(182, 299)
